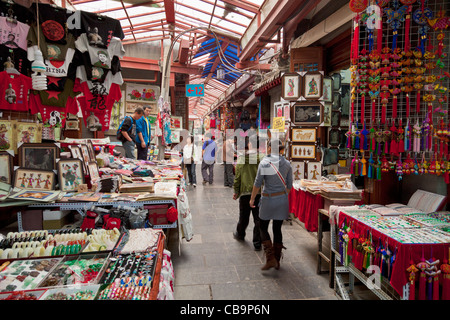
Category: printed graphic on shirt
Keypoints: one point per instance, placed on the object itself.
(10, 95)
(53, 30)
(53, 51)
(13, 35)
(97, 73)
(94, 38)
(103, 60)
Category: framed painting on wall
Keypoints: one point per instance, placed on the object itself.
(304, 135)
(303, 151)
(141, 93)
(28, 132)
(312, 85)
(314, 170)
(307, 113)
(327, 94)
(327, 114)
(298, 169)
(291, 84)
(8, 135)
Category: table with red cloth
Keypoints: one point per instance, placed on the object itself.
(406, 252)
(305, 206)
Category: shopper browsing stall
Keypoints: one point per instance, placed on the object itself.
(276, 174)
(143, 135)
(246, 169)
(128, 130)
(209, 158)
(188, 158)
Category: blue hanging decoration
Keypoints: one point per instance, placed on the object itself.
(421, 16)
(395, 17)
(357, 138)
(371, 163)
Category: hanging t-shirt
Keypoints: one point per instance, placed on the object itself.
(101, 81)
(100, 57)
(49, 112)
(22, 14)
(55, 68)
(53, 21)
(50, 51)
(96, 105)
(16, 56)
(59, 98)
(14, 91)
(99, 30)
(13, 35)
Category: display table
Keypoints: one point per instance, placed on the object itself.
(304, 206)
(403, 255)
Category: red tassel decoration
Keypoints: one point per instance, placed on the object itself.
(418, 101)
(445, 269)
(383, 114)
(422, 265)
(353, 112)
(394, 107)
(436, 286)
(407, 105)
(363, 107)
(412, 280)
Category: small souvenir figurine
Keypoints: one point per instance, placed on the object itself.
(384, 164)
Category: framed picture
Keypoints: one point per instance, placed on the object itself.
(336, 101)
(91, 151)
(330, 156)
(307, 113)
(345, 99)
(6, 167)
(38, 156)
(304, 135)
(85, 153)
(303, 151)
(312, 86)
(175, 136)
(176, 122)
(28, 132)
(335, 118)
(70, 174)
(36, 195)
(282, 109)
(298, 169)
(142, 93)
(32, 179)
(333, 137)
(336, 81)
(345, 122)
(327, 114)
(72, 125)
(291, 84)
(8, 135)
(93, 170)
(327, 95)
(314, 170)
(76, 152)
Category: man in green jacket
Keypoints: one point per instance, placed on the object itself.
(245, 173)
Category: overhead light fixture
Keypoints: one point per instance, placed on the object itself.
(220, 73)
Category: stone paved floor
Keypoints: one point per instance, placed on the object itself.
(213, 265)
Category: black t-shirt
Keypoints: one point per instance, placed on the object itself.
(99, 29)
(21, 13)
(53, 22)
(129, 125)
(18, 58)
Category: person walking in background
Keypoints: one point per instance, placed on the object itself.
(209, 157)
(189, 160)
(228, 160)
(128, 129)
(143, 135)
(246, 169)
(275, 172)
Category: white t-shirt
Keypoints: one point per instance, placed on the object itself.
(98, 87)
(54, 68)
(100, 57)
(13, 35)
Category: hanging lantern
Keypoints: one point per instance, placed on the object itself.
(220, 73)
(202, 101)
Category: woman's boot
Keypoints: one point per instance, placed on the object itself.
(277, 247)
(271, 262)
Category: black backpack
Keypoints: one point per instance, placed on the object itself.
(119, 131)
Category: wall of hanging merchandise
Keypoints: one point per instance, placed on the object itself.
(399, 89)
(79, 52)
